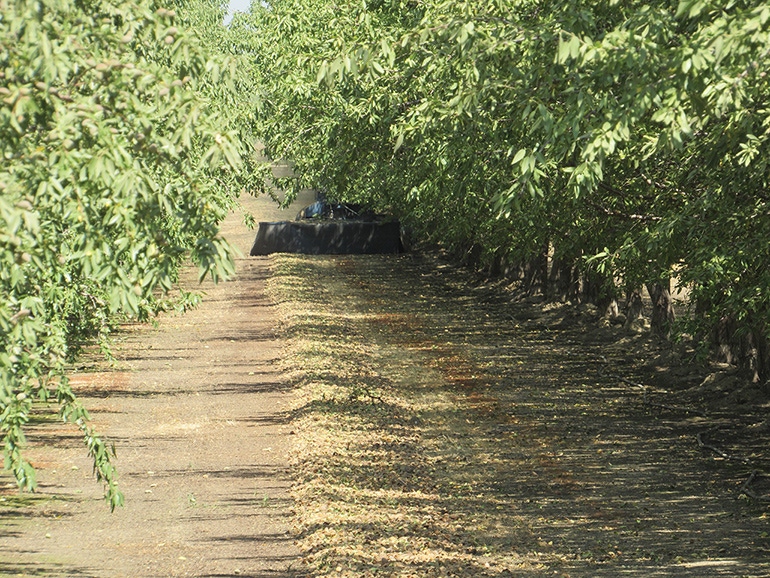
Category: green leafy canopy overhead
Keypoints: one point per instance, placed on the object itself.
(627, 140)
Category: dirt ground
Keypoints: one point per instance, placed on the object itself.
(196, 408)
(365, 416)
(449, 426)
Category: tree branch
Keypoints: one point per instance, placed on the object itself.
(718, 451)
(747, 491)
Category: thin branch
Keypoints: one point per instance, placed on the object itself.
(747, 491)
(718, 451)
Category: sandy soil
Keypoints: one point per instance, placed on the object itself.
(197, 410)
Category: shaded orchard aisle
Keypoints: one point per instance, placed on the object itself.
(197, 411)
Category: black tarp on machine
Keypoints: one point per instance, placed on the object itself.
(330, 229)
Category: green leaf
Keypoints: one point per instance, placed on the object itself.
(399, 142)
(520, 154)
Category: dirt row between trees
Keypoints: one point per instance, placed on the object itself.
(196, 408)
(447, 426)
(395, 416)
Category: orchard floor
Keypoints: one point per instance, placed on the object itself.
(447, 425)
(197, 410)
(366, 416)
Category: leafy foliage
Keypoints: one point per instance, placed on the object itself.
(115, 167)
(628, 140)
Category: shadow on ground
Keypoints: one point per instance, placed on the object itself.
(450, 428)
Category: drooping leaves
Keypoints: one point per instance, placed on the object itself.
(116, 166)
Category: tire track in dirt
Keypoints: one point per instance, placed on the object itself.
(197, 410)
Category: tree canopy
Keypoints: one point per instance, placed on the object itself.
(594, 148)
(622, 144)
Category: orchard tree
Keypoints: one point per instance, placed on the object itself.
(681, 136)
(581, 142)
(116, 167)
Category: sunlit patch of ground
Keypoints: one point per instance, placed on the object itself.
(446, 428)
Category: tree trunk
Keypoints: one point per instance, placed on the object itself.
(536, 274)
(544, 258)
(469, 255)
(746, 348)
(762, 373)
(634, 309)
(564, 279)
(598, 290)
(495, 268)
(662, 308)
